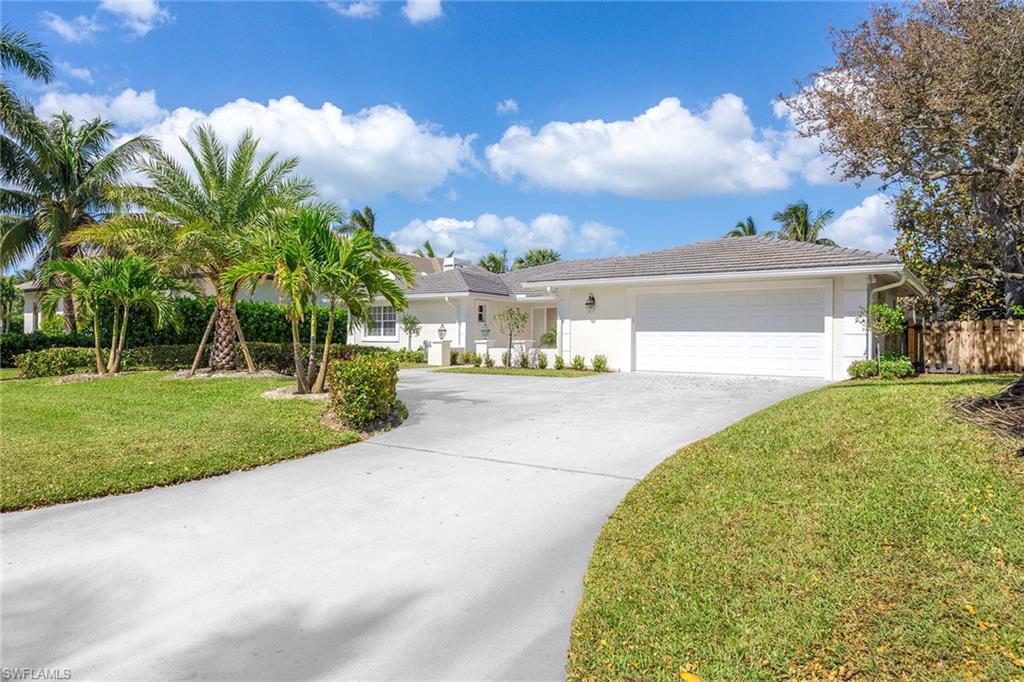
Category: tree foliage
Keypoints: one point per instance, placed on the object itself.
(535, 257)
(496, 262)
(798, 224)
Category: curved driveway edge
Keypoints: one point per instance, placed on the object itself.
(450, 548)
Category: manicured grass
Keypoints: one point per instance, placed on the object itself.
(856, 531)
(564, 373)
(413, 365)
(135, 431)
(9, 373)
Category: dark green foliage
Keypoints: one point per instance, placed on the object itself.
(488, 360)
(363, 390)
(542, 360)
(477, 360)
(52, 362)
(578, 362)
(160, 357)
(524, 359)
(260, 320)
(406, 355)
(549, 339)
(600, 363)
(891, 366)
(16, 343)
(559, 362)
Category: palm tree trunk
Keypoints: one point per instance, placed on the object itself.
(300, 375)
(202, 344)
(223, 355)
(120, 340)
(69, 315)
(113, 339)
(249, 365)
(321, 376)
(100, 368)
(311, 366)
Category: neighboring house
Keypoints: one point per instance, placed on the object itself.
(32, 293)
(747, 305)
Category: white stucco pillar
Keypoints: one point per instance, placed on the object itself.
(439, 353)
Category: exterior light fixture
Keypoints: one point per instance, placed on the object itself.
(442, 332)
(591, 303)
(485, 331)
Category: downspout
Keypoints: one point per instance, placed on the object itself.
(871, 292)
(458, 322)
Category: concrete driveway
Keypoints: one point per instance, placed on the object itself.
(453, 547)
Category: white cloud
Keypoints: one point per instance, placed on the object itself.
(130, 108)
(420, 11)
(665, 152)
(489, 232)
(869, 225)
(800, 154)
(80, 73)
(507, 106)
(77, 30)
(138, 16)
(361, 155)
(363, 9)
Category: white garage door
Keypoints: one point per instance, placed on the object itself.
(772, 331)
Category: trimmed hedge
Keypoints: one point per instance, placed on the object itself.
(15, 343)
(363, 390)
(891, 366)
(52, 362)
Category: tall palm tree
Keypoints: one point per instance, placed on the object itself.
(20, 53)
(798, 224)
(367, 220)
(199, 224)
(427, 251)
(306, 259)
(85, 280)
(496, 262)
(536, 257)
(744, 228)
(56, 176)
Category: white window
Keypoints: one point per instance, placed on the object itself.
(382, 321)
(481, 313)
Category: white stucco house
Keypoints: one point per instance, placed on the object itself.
(746, 305)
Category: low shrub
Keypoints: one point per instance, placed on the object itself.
(524, 359)
(578, 362)
(863, 369)
(406, 355)
(15, 343)
(466, 357)
(599, 363)
(890, 366)
(363, 390)
(164, 356)
(453, 359)
(506, 359)
(477, 360)
(542, 360)
(559, 362)
(54, 362)
(488, 360)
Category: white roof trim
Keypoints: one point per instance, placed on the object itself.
(886, 268)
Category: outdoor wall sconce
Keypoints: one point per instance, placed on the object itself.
(442, 332)
(591, 303)
(485, 331)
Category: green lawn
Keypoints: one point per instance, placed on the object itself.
(88, 439)
(519, 371)
(9, 373)
(855, 531)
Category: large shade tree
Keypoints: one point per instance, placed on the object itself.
(56, 176)
(198, 221)
(932, 94)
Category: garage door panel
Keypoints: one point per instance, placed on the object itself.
(770, 332)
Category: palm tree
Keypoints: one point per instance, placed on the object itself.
(21, 53)
(200, 224)
(306, 258)
(536, 257)
(85, 279)
(798, 225)
(427, 251)
(367, 220)
(496, 262)
(744, 228)
(56, 177)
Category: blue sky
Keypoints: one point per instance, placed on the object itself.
(627, 127)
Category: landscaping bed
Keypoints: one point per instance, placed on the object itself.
(519, 371)
(858, 531)
(135, 431)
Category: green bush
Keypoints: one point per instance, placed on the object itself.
(453, 358)
(506, 359)
(559, 362)
(466, 357)
(53, 362)
(549, 339)
(890, 366)
(16, 343)
(406, 355)
(488, 360)
(477, 360)
(524, 358)
(578, 362)
(363, 390)
(863, 369)
(542, 360)
(164, 356)
(599, 363)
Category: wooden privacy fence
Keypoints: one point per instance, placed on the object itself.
(967, 346)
